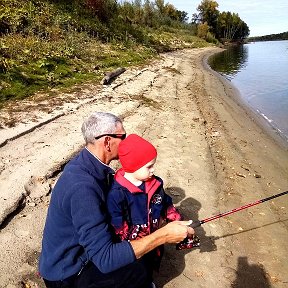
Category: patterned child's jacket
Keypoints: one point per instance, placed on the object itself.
(139, 211)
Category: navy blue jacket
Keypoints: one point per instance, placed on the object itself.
(76, 229)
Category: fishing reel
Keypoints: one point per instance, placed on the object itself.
(188, 243)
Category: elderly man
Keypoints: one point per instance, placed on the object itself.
(77, 247)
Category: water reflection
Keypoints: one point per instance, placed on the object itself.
(229, 62)
(259, 72)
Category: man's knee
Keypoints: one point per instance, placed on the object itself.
(136, 273)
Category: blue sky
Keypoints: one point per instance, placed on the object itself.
(263, 17)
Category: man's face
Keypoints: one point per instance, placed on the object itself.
(114, 142)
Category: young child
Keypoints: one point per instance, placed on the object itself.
(137, 202)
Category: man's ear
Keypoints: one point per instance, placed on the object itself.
(107, 143)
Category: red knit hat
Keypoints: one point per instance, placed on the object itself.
(134, 152)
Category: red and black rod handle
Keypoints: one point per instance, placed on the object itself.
(200, 222)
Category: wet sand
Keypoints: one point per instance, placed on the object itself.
(253, 114)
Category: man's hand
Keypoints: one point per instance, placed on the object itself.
(173, 232)
(176, 231)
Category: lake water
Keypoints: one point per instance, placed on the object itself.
(260, 72)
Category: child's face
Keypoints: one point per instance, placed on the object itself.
(145, 172)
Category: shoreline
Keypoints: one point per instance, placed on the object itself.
(244, 118)
(251, 163)
(261, 119)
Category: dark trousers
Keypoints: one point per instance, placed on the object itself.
(131, 276)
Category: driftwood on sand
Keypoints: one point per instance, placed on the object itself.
(110, 75)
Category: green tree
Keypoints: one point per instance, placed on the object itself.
(208, 13)
(230, 27)
(182, 16)
(202, 30)
(139, 13)
(225, 26)
(170, 11)
(127, 11)
(148, 13)
(243, 31)
(160, 6)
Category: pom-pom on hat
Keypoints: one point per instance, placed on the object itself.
(134, 152)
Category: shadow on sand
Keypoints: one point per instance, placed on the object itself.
(173, 262)
(250, 275)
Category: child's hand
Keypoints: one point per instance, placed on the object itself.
(188, 243)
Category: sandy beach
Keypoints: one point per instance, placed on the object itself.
(213, 157)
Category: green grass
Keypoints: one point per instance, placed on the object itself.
(44, 45)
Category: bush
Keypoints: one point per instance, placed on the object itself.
(210, 38)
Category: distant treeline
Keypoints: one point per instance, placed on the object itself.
(224, 26)
(271, 37)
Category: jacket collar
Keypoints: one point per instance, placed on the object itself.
(96, 162)
(151, 185)
(96, 168)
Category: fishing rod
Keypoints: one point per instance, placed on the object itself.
(198, 223)
(195, 241)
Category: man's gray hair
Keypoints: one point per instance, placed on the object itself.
(99, 123)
